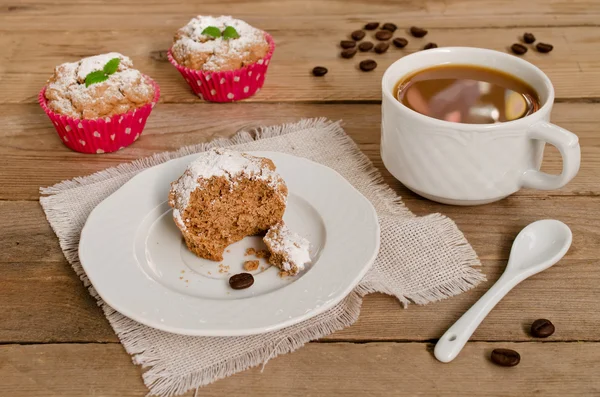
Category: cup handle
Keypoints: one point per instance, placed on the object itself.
(568, 145)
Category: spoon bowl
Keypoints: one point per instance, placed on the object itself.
(537, 247)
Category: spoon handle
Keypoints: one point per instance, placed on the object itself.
(452, 342)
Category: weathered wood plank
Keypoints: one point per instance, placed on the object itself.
(28, 15)
(29, 143)
(31, 58)
(374, 369)
(490, 228)
(46, 303)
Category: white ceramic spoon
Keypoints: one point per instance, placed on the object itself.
(537, 247)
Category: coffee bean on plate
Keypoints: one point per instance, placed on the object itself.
(544, 47)
(319, 71)
(349, 53)
(365, 46)
(347, 43)
(400, 42)
(506, 357)
(542, 328)
(518, 49)
(429, 46)
(372, 25)
(358, 35)
(389, 26)
(241, 281)
(528, 38)
(381, 47)
(367, 65)
(418, 32)
(383, 35)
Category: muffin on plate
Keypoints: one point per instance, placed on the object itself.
(223, 59)
(99, 104)
(224, 196)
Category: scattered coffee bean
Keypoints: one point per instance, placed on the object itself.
(348, 53)
(383, 35)
(319, 71)
(389, 26)
(367, 65)
(358, 35)
(528, 38)
(418, 32)
(544, 48)
(518, 49)
(400, 42)
(241, 281)
(505, 357)
(429, 46)
(542, 328)
(365, 46)
(372, 25)
(381, 47)
(347, 43)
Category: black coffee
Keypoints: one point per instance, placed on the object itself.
(467, 94)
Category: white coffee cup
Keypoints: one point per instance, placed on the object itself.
(471, 164)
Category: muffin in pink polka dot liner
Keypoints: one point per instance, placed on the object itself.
(223, 59)
(100, 117)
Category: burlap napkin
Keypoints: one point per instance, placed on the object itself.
(422, 259)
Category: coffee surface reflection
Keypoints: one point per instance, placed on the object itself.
(467, 94)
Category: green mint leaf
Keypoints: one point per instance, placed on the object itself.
(95, 77)
(212, 31)
(112, 66)
(230, 33)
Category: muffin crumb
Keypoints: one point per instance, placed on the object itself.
(251, 265)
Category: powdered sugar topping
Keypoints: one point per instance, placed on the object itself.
(217, 52)
(219, 163)
(294, 247)
(122, 91)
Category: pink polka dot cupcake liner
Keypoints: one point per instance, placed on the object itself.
(231, 85)
(102, 135)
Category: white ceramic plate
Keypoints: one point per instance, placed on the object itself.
(134, 255)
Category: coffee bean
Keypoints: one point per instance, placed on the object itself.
(372, 25)
(505, 357)
(518, 49)
(542, 328)
(418, 32)
(365, 46)
(367, 65)
(348, 53)
(544, 48)
(347, 43)
(400, 42)
(358, 35)
(241, 281)
(319, 71)
(383, 35)
(389, 26)
(429, 46)
(381, 48)
(528, 38)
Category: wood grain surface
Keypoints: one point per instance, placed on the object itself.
(55, 341)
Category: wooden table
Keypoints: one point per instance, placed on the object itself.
(54, 340)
